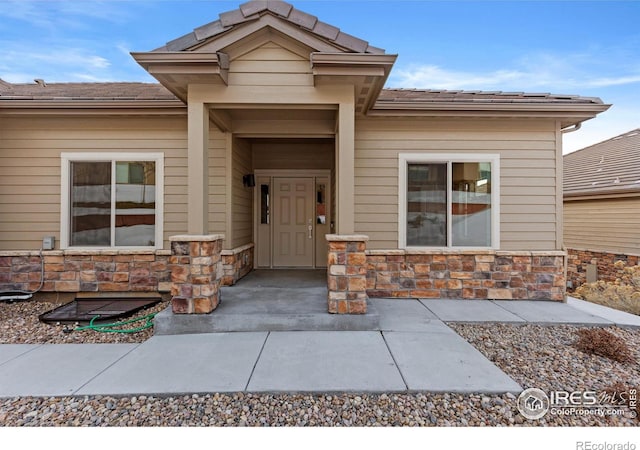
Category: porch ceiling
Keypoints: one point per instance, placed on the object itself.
(283, 122)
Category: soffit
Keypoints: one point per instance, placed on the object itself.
(256, 122)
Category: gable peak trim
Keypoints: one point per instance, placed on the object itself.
(254, 11)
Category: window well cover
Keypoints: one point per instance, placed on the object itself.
(85, 309)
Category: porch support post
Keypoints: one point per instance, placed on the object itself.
(197, 167)
(196, 271)
(347, 274)
(345, 160)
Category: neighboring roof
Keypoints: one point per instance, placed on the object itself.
(253, 10)
(607, 168)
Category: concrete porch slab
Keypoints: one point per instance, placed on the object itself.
(546, 312)
(469, 311)
(58, 369)
(284, 278)
(620, 318)
(445, 362)
(266, 309)
(220, 362)
(11, 351)
(307, 361)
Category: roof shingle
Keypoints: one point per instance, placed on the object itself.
(253, 10)
(85, 91)
(439, 96)
(127, 91)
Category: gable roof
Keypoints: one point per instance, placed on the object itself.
(253, 10)
(607, 168)
(200, 57)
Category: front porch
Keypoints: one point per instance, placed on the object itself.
(270, 300)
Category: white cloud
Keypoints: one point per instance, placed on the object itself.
(532, 72)
(436, 77)
(612, 79)
(69, 14)
(56, 64)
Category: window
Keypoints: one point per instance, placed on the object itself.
(264, 204)
(449, 200)
(112, 200)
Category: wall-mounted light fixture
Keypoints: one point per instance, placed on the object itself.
(249, 180)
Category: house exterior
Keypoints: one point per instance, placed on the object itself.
(602, 208)
(269, 143)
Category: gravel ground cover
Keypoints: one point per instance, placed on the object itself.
(19, 324)
(535, 356)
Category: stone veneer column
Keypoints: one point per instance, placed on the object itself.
(196, 270)
(347, 274)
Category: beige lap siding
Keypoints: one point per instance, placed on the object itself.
(529, 197)
(609, 225)
(271, 64)
(30, 151)
(241, 230)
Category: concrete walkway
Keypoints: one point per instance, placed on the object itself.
(413, 350)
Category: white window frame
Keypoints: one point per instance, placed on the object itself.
(404, 159)
(65, 194)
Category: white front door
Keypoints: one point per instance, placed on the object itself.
(293, 222)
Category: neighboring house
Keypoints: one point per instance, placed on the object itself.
(273, 129)
(602, 207)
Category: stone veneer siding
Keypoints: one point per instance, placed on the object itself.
(105, 270)
(236, 263)
(466, 274)
(86, 271)
(347, 274)
(196, 271)
(578, 260)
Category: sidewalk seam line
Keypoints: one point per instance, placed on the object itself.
(37, 346)
(253, 369)
(105, 369)
(431, 311)
(394, 360)
(510, 312)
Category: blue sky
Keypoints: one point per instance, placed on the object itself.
(590, 48)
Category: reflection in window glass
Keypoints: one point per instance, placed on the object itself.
(471, 204)
(427, 205)
(90, 203)
(135, 203)
(321, 207)
(264, 204)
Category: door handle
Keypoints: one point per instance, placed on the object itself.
(310, 228)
